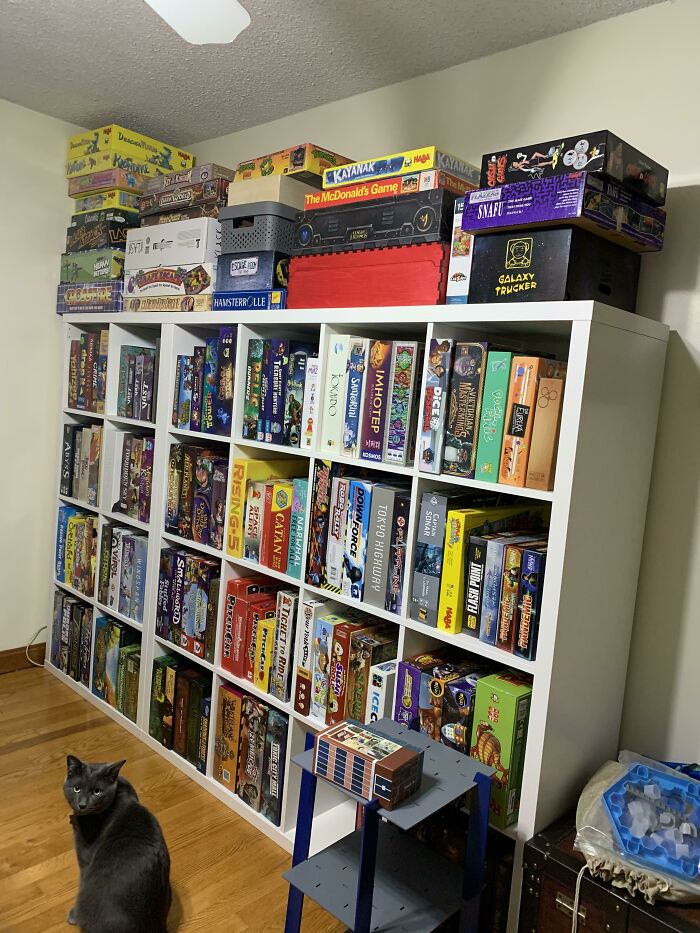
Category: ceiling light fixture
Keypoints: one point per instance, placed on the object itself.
(203, 22)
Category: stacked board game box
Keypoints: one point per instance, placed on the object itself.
(184, 195)
(76, 549)
(180, 709)
(491, 414)
(188, 601)
(196, 494)
(565, 219)
(87, 371)
(281, 392)
(81, 452)
(338, 648)
(138, 382)
(257, 639)
(71, 636)
(397, 203)
(121, 570)
(358, 530)
(250, 750)
(135, 475)
(116, 665)
(274, 524)
(203, 387)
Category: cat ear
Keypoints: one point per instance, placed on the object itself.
(111, 772)
(74, 765)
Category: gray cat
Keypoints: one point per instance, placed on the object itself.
(124, 861)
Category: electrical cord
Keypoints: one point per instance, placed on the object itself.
(577, 898)
(31, 642)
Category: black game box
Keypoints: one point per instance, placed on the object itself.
(601, 151)
(423, 217)
(553, 265)
(96, 235)
(128, 218)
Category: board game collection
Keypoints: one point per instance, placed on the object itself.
(250, 750)
(138, 383)
(87, 371)
(203, 386)
(275, 520)
(80, 462)
(196, 494)
(76, 549)
(116, 665)
(180, 709)
(135, 475)
(187, 601)
(121, 571)
(282, 403)
(71, 636)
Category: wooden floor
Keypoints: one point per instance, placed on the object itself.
(226, 876)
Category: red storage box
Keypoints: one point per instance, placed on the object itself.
(392, 275)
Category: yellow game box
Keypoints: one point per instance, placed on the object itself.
(306, 162)
(169, 303)
(107, 200)
(401, 163)
(108, 159)
(128, 142)
(96, 182)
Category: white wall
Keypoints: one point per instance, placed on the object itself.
(636, 76)
(35, 214)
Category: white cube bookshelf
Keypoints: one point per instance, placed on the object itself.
(598, 509)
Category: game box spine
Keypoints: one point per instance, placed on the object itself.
(541, 464)
(75, 478)
(265, 401)
(210, 386)
(103, 351)
(138, 386)
(297, 521)
(178, 596)
(254, 509)
(253, 375)
(264, 647)
(74, 642)
(367, 649)
(219, 482)
(258, 610)
(90, 360)
(201, 501)
(64, 650)
(228, 726)
(94, 464)
(397, 554)
(425, 591)
(224, 391)
(376, 400)
(138, 595)
(338, 675)
(126, 574)
(320, 674)
(475, 573)
(131, 692)
(186, 504)
(310, 609)
(183, 683)
(493, 582)
(134, 474)
(525, 375)
(379, 545)
(529, 602)
(176, 390)
(337, 527)
(438, 369)
(333, 401)
(274, 766)
(164, 594)
(406, 366)
(451, 601)
(184, 400)
(103, 563)
(146, 479)
(355, 556)
(382, 678)
(124, 472)
(282, 655)
(197, 688)
(175, 467)
(276, 520)
(294, 397)
(146, 398)
(319, 507)
(309, 414)
(82, 372)
(354, 394)
(73, 367)
(67, 459)
(115, 567)
(203, 744)
(463, 409)
(212, 616)
(279, 366)
(130, 381)
(510, 588)
(493, 412)
(251, 752)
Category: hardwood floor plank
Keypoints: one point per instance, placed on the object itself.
(227, 876)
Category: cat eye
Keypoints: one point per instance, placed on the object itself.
(97, 792)
(77, 788)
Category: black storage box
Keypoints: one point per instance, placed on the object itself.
(552, 264)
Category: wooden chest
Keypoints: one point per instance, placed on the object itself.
(550, 867)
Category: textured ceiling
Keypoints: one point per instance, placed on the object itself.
(92, 61)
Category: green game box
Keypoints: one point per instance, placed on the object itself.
(92, 265)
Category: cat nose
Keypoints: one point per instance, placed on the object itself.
(82, 805)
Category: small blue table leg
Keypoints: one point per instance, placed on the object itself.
(302, 841)
(368, 863)
(480, 798)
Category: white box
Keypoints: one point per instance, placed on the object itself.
(380, 692)
(180, 243)
(460, 260)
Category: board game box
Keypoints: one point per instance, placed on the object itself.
(427, 566)
(340, 666)
(251, 749)
(493, 412)
(305, 162)
(420, 685)
(184, 242)
(565, 263)
(193, 279)
(582, 199)
(183, 196)
(438, 369)
(104, 181)
(114, 136)
(90, 299)
(382, 678)
(376, 400)
(273, 766)
(367, 763)
(252, 272)
(98, 234)
(185, 213)
(600, 151)
(403, 400)
(355, 556)
(191, 176)
(158, 303)
(95, 265)
(385, 188)
(311, 610)
(424, 217)
(367, 649)
(397, 554)
(113, 199)
(460, 259)
(107, 159)
(401, 163)
(464, 408)
(499, 734)
(283, 651)
(266, 300)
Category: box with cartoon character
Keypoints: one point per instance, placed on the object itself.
(165, 156)
(305, 162)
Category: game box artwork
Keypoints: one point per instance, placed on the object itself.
(94, 265)
(583, 199)
(367, 763)
(190, 176)
(424, 217)
(432, 418)
(401, 163)
(159, 303)
(97, 234)
(306, 162)
(385, 188)
(89, 299)
(182, 196)
(560, 264)
(186, 213)
(266, 300)
(196, 279)
(601, 151)
(121, 139)
(112, 199)
(103, 181)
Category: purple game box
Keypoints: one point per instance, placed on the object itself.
(600, 206)
(88, 299)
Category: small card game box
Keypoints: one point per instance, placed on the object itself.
(367, 763)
